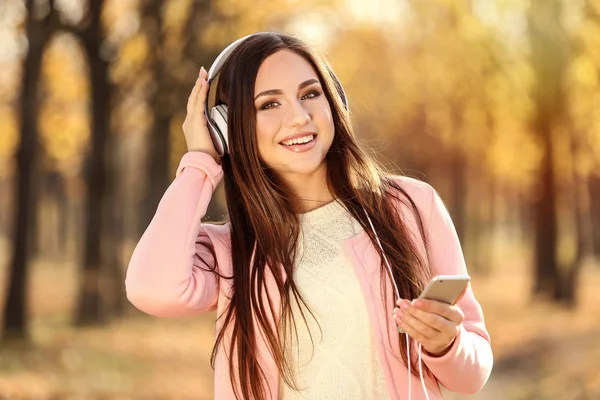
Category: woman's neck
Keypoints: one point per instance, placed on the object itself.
(312, 190)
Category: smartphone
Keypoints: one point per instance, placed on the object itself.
(445, 288)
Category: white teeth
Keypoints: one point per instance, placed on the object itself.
(301, 140)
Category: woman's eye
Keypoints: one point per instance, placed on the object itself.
(268, 105)
(311, 94)
(272, 104)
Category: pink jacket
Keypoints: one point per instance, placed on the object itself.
(164, 279)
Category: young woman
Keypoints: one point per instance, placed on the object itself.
(313, 275)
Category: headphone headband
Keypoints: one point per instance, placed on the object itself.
(216, 115)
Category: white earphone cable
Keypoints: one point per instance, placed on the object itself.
(408, 365)
(421, 374)
(387, 263)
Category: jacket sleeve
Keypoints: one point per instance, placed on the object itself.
(466, 367)
(169, 272)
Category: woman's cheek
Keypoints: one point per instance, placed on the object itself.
(322, 112)
(268, 128)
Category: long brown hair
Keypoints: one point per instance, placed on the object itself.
(265, 223)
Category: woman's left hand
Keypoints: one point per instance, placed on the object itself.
(432, 323)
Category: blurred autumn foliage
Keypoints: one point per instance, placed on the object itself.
(494, 102)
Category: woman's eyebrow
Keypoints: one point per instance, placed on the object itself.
(307, 83)
(279, 91)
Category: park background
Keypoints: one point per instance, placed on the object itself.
(494, 102)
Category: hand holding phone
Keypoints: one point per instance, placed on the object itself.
(433, 319)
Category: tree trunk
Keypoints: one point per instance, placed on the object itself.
(548, 44)
(459, 198)
(158, 166)
(15, 308)
(594, 190)
(545, 220)
(89, 305)
(62, 201)
(170, 95)
(53, 227)
(113, 234)
(34, 231)
(159, 151)
(5, 206)
(591, 13)
(566, 291)
(482, 224)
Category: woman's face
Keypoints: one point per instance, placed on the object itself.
(294, 126)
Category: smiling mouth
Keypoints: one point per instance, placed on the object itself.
(300, 140)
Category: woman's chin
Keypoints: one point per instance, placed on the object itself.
(304, 167)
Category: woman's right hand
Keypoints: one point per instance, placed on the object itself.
(195, 126)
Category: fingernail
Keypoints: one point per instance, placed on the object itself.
(404, 305)
(417, 303)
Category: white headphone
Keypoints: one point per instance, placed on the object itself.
(216, 114)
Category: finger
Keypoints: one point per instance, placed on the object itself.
(451, 313)
(413, 332)
(204, 90)
(423, 329)
(403, 303)
(435, 321)
(192, 99)
(457, 316)
(196, 90)
(198, 114)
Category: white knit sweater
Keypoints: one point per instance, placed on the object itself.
(341, 361)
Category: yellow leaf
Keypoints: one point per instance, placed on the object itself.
(583, 72)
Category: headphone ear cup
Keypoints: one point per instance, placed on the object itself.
(218, 123)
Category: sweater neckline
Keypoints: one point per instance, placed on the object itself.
(323, 214)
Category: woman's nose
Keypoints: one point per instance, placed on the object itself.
(299, 115)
